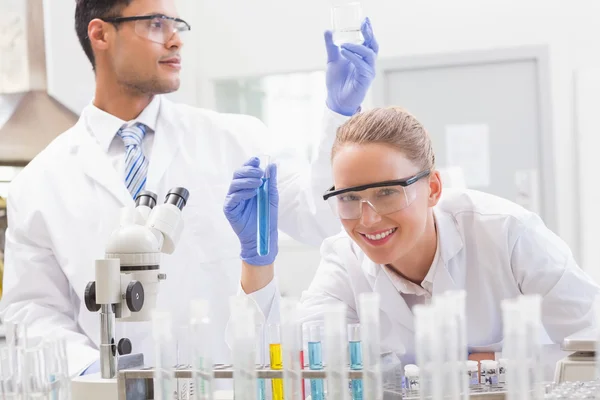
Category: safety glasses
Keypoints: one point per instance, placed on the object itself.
(383, 197)
(157, 28)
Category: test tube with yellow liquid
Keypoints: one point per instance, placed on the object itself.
(276, 359)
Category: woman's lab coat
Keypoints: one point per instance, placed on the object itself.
(63, 206)
(490, 247)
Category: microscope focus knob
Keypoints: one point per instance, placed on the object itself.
(134, 296)
(90, 297)
(124, 347)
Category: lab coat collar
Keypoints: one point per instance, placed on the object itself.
(447, 276)
(104, 126)
(449, 237)
(168, 140)
(96, 165)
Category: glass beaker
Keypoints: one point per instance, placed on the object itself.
(346, 20)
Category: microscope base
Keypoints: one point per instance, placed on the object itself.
(580, 366)
(93, 387)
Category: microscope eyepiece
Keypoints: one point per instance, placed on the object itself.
(178, 197)
(146, 198)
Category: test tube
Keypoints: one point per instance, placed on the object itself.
(164, 377)
(356, 362)
(202, 344)
(336, 352)
(597, 315)
(451, 324)
(275, 359)
(261, 390)
(522, 325)
(184, 352)
(243, 349)
(291, 342)
(369, 306)
(315, 361)
(532, 305)
(263, 213)
(16, 340)
(346, 21)
(426, 347)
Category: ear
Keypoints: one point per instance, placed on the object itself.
(435, 188)
(98, 32)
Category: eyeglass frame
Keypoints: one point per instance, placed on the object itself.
(119, 20)
(397, 182)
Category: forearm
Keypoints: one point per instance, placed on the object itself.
(255, 278)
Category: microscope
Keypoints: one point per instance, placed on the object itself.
(127, 281)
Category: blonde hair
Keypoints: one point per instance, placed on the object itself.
(393, 126)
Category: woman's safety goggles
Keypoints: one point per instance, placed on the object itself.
(383, 197)
(156, 28)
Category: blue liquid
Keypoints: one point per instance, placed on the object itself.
(263, 218)
(356, 363)
(315, 362)
(260, 390)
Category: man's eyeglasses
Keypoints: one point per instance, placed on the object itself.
(383, 197)
(157, 28)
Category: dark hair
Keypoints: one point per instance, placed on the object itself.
(88, 10)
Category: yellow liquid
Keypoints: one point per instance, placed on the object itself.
(276, 363)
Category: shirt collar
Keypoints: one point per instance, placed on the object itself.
(405, 286)
(104, 126)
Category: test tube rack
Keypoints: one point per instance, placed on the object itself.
(137, 384)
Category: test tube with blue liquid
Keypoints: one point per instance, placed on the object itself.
(260, 384)
(263, 208)
(356, 362)
(315, 361)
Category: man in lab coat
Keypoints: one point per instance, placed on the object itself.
(64, 205)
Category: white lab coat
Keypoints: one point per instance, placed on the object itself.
(490, 247)
(66, 202)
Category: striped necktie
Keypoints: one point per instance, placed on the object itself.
(136, 163)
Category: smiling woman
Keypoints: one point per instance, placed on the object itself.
(409, 240)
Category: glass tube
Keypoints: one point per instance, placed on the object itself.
(263, 213)
(425, 350)
(202, 344)
(291, 342)
(16, 340)
(261, 390)
(356, 362)
(275, 358)
(244, 349)
(315, 361)
(164, 377)
(370, 335)
(336, 352)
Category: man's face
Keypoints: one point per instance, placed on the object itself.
(145, 54)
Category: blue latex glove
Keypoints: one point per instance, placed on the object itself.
(350, 71)
(240, 210)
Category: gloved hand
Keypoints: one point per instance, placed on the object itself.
(240, 210)
(350, 71)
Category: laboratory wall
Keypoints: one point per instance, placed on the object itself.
(270, 36)
(235, 38)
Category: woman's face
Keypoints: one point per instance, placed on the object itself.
(384, 238)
